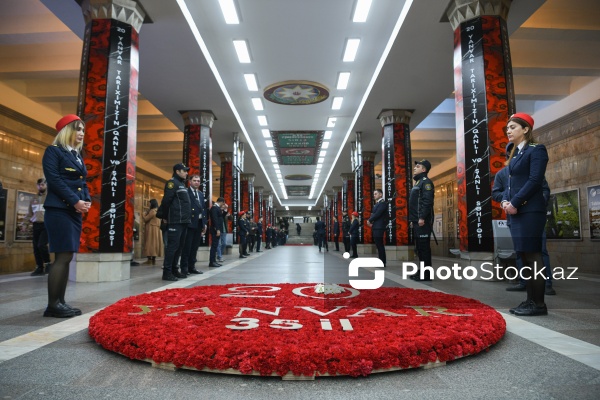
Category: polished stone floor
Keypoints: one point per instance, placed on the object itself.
(551, 357)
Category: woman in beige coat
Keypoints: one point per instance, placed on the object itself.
(153, 242)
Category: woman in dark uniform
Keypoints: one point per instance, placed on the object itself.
(524, 204)
(68, 198)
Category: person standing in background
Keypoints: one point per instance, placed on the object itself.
(336, 233)
(35, 215)
(222, 249)
(346, 230)
(378, 222)
(216, 226)
(67, 200)
(420, 214)
(153, 241)
(195, 229)
(259, 232)
(353, 232)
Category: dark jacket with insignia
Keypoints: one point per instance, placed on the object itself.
(243, 227)
(197, 212)
(346, 225)
(65, 177)
(420, 201)
(177, 201)
(379, 218)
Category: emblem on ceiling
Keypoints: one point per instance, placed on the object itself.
(296, 93)
(298, 177)
(297, 147)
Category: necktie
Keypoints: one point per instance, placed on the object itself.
(74, 152)
(196, 194)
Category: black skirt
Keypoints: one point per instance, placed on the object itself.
(64, 229)
(527, 230)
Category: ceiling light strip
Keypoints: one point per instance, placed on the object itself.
(362, 10)
(190, 20)
(229, 12)
(241, 49)
(384, 55)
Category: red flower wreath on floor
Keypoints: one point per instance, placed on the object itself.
(274, 329)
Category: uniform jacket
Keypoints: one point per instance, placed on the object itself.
(197, 215)
(420, 201)
(525, 177)
(65, 177)
(336, 227)
(501, 183)
(216, 218)
(259, 228)
(243, 227)
(354, 228)
(320, 227)
(177, 201)
(379, 216)
(346, 225)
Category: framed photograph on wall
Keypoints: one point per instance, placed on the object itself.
(593, 193)
(564, 220)
(23, 229)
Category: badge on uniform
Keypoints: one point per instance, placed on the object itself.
(70, 169)
(170, 185)
(428, 186)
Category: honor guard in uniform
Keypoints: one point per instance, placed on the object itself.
(346, 230)
(216, 230)
(177, 201)
(420, 215)
(243, 232)
(195, 229)
(378, 221)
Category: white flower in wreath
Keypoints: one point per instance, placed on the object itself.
(328, 288)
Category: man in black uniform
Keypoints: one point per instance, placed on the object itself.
(336, 232)
(35, 215)
(378, 221)
(321, 234)
(195, 229)
(216, 226)
(177, 201)
(346, 230)
(243, 231)
(420, 214)
(259, 232)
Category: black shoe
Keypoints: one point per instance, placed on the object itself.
(39, 271)
(179, 275)
(353, 256)
(134, 263)
(247, 255)
(549, 291)
(195, 271)
(259, 251)
(169, 277)
(516, 288)
(523, 304)
(215, 265)
(530, 309)
(243, 256)
(60, 311)
(77, 311)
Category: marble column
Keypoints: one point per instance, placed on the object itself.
(226, 180)
(485, 100)
(368, 185)
(247, 192)
(397, 180)
(197, 154)
(107, 102)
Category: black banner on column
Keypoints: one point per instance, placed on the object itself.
(205, 172)
(114, 162)
(477, 156)
(358, 204)
(389, 185)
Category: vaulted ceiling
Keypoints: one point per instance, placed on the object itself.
(188, 62)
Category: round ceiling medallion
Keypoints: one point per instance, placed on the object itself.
(296, 93)
(298, 177)
(296, 329)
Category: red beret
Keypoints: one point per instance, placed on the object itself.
(523, 117)
(66, 120)
(355, 214)
(242, 212)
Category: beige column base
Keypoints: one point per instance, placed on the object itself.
(203, 254)
(392, 253)
(100, 267)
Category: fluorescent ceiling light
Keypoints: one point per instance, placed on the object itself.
(258, 105)
(241, 48)
(337, 103)
(262, 120)
(276, 166)
(271, 152)
(343, 78)
(287, 208)
(273, 159)
(327, 134)
(325, 145)
(321, 160)
(309, 208)
(351, 49)
(266, 133)
(362, 10)
(251, 82)
(331, 122)
(269, 143)
(323, 153)
(229, 12)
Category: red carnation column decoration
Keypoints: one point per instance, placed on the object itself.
(107, 102)
(485, 99)
(397, 179)
(197, 154)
